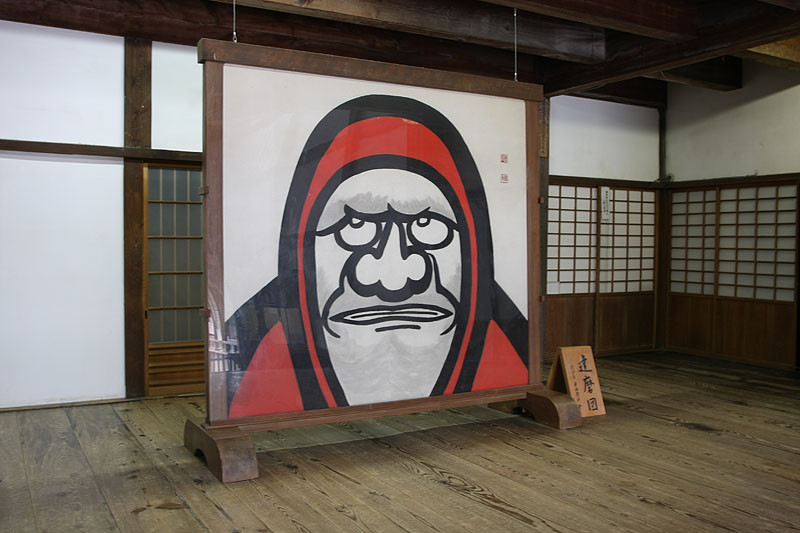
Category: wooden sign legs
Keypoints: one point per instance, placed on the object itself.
(229, 452)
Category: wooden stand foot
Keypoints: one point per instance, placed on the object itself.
(229, 452)
(553, 409)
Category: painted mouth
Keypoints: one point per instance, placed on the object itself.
(377, 314)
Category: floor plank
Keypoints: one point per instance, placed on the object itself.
(16, 507)
(214, 505)
(139, 496)
(274, 507)
(688, 444)
(63, 487)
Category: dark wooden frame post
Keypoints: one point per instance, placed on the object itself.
(224, 442)
(138, 63)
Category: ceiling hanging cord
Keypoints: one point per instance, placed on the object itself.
(515, 44)
(235, 38)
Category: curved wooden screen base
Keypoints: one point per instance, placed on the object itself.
(229, 452)
(231, 456)
(551, 408)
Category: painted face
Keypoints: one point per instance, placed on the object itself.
(388, 273)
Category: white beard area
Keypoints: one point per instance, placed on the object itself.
(390, 365)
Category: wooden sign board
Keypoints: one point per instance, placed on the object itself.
(574, 373)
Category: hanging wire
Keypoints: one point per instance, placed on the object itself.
(235, 38)
(515, 44)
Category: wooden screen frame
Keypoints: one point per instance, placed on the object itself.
(214, 55)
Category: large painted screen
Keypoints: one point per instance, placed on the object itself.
(374, 243)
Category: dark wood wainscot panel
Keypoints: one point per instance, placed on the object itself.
(756, 332)
(749, 331)
(570, 322)
(690, 323)
(624, 322)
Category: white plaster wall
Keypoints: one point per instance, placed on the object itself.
(596, 139)
(753, 130)
(61, 279)
(61, 85)
(177, 98)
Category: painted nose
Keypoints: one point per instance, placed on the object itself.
(395, 267)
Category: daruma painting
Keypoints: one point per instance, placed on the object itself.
(385, 287)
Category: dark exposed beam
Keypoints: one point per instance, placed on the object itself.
(96, 150)
(661, 19)
(187, 21)
(637, 91)
(788, 4)
(721, 73)
(758, 27)
(461, 20)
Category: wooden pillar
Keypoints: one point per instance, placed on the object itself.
(544, 191)
(138, 99)
(138, 60)
(663, 223)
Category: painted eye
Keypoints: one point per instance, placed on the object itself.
(429, 231)
(358, 232)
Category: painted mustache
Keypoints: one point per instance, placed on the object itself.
(376, 314)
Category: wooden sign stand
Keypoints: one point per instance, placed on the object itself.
(574, 373)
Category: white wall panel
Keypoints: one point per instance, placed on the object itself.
(750, 131)
(595, 139)
(177, 98)
(62, 290)
(61, 85)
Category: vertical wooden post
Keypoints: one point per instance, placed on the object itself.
(663, 224)
(544, 192)
(661, 286)
(216, 401)
(536, 139)
(138, 92)
(137, 134)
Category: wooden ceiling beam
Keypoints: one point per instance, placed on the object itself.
(187, 21)
(647, 57)
(636, 91)
(721, 73)
(659, 19)
(460, 20)
(788, 4)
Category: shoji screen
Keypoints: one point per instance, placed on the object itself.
(733, 269)
(627, 242)
(757, 242)
(600, 273)
(571, 239)
(694, 220)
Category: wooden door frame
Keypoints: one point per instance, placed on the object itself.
(145, 364)
(137, 153)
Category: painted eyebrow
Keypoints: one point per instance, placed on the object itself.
(383, 216)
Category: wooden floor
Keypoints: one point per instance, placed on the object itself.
(688, 444)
